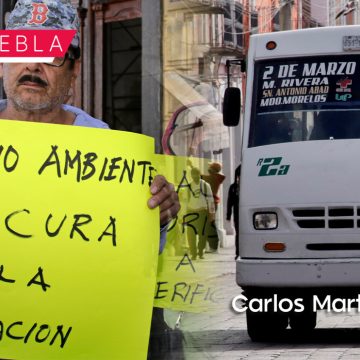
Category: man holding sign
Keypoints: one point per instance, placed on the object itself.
(37, 92)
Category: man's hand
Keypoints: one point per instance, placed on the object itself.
(164, 196)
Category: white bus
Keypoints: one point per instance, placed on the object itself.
(299, 211)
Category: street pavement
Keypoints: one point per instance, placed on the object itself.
(222, 334)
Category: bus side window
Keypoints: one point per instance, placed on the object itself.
(353, 125)
(272, 129)
(336, 125)
(296, 130)
(319, 130)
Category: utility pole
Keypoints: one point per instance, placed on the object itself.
(300, 15)
(285, 15)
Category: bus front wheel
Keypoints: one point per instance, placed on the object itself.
(265, 326)
(304, 321)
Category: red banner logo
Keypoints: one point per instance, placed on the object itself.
(34, 45)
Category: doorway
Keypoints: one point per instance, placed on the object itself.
(122, 75)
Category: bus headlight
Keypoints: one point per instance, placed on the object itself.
(265, 221)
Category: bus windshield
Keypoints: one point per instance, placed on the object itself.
(307, 98)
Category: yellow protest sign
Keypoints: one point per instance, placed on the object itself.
(185, 281)
(78, 243)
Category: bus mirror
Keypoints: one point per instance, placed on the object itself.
(231, 106)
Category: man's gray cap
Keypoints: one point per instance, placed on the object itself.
(45, 14)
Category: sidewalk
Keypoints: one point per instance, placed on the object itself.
(194, 326)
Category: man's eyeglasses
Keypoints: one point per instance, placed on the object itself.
(60, 61)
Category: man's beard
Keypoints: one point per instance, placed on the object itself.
(41, 106)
